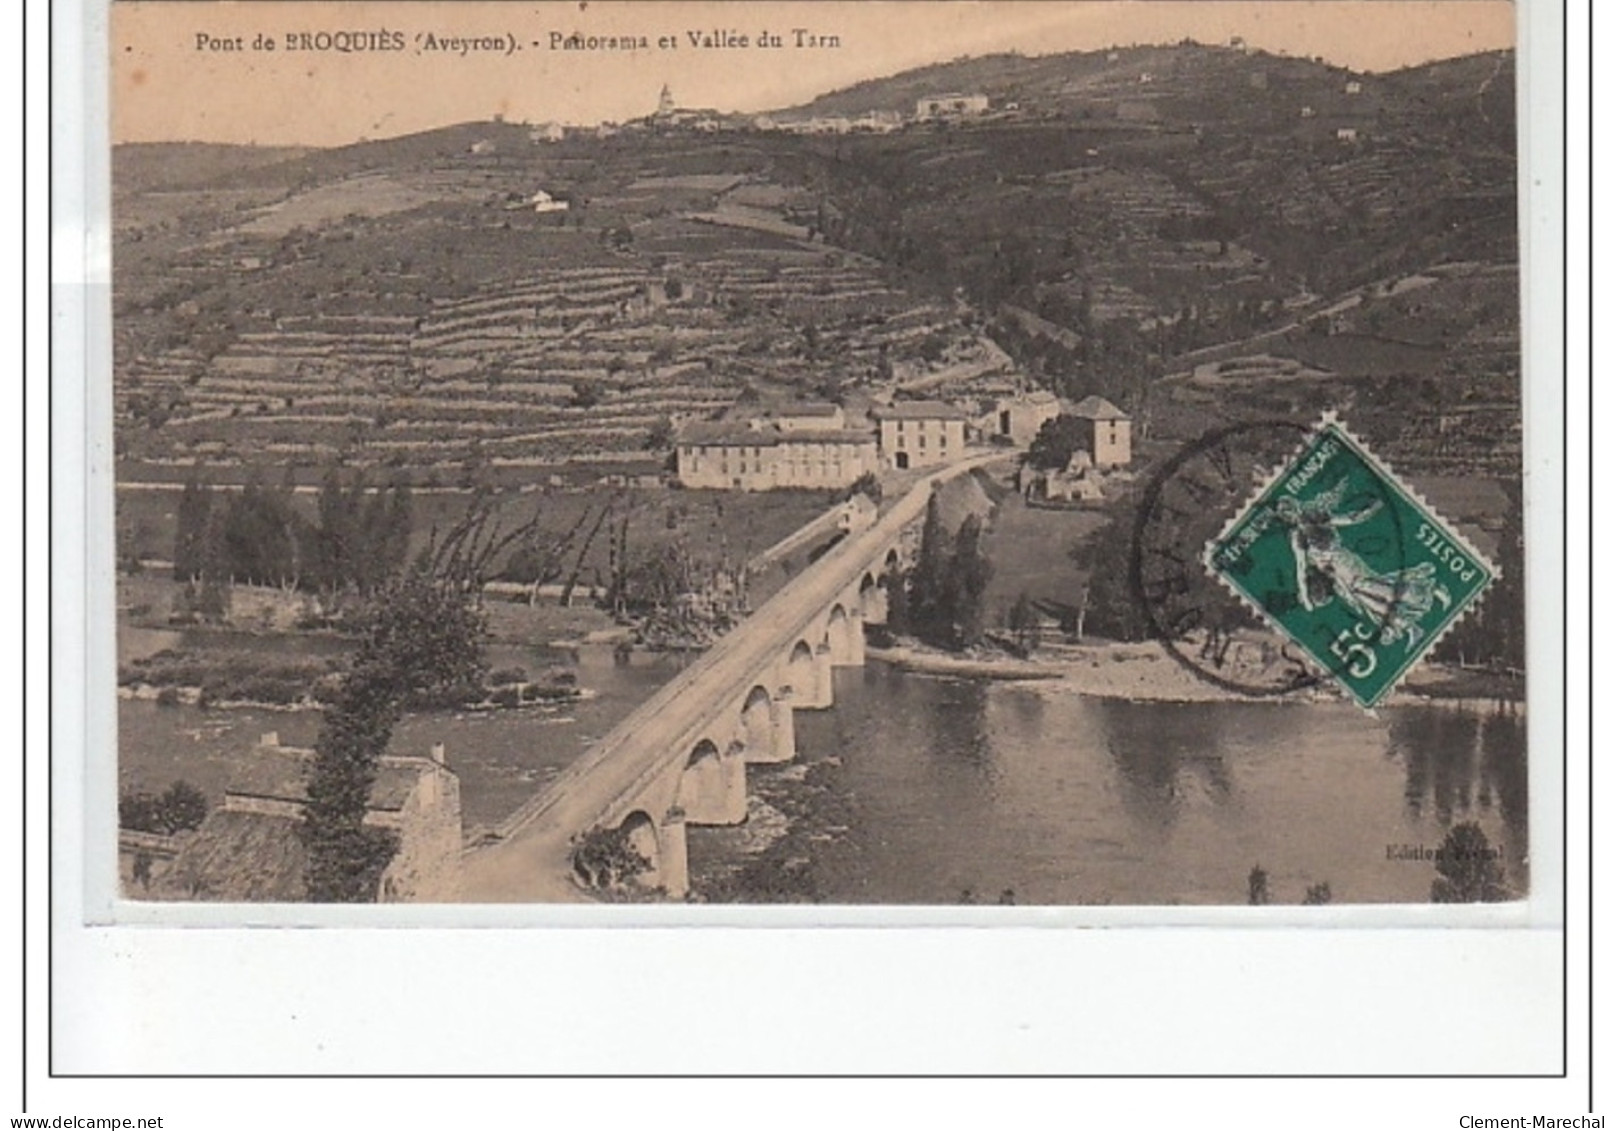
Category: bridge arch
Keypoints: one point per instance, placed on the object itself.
(802, 674)
(872, 599)
(807, 671)
(843, 635)
(639, 833)
(712, 788)
(766, 733)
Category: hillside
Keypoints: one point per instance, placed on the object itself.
(1114, 217)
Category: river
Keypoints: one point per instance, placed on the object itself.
(502, 757)
(927, 789)
(918, 789)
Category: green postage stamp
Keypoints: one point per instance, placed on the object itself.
(1340, 556)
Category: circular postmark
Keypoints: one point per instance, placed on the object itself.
(1248, 559)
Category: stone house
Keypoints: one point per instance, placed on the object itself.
(1107, 432)
(920, 433)
(1018, 418)
(249, 849)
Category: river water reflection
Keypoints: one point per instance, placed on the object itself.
(953, 785)
(943, 785)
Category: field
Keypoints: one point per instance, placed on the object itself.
(721, 531)
(1030, 549)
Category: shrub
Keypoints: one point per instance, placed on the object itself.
(604, 859)
(179, 808)
(1467, 868)
(1318, 895)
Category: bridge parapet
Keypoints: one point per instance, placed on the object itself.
(681, 756)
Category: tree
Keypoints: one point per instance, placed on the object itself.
(1318, 895)
(1055, 443)
(966, 586)
(656, 578)
(1494, 634)
(1256, 884)
(257, 539)
(1022, 622)
(660, 435)
(180, 808)
(195, 503)
(867, 485)
(1467, 868)
(423, 638)
(1110, 608)
(926, 582)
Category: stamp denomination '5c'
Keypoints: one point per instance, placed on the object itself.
(1338, 555)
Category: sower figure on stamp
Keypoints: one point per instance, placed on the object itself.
(1395, 602)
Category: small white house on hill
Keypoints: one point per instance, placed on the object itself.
(950, 106)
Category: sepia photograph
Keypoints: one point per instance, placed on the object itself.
(1050, 454)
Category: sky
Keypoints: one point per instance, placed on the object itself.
(183, 70)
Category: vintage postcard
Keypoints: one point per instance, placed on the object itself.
(1048, 454)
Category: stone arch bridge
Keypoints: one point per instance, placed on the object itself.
(680, 758)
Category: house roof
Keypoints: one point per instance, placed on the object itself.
(238, 857)
(727, 434)
(811, 408)
(1097, 408)
(280, 773)
(1036, 397)
(918, 410)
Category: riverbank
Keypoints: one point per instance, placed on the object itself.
(941, 790)
(1146, 672)
(239, 678)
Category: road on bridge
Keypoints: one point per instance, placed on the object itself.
(530, 863)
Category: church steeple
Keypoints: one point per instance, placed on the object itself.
(665, 104)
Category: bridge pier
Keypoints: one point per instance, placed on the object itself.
(824, 684)
(671, 869)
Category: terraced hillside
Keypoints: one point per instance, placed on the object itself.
(1115, 218)
(1130, 214)
(441, 319)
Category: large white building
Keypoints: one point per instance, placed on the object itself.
(803, 447)
(920, 433)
